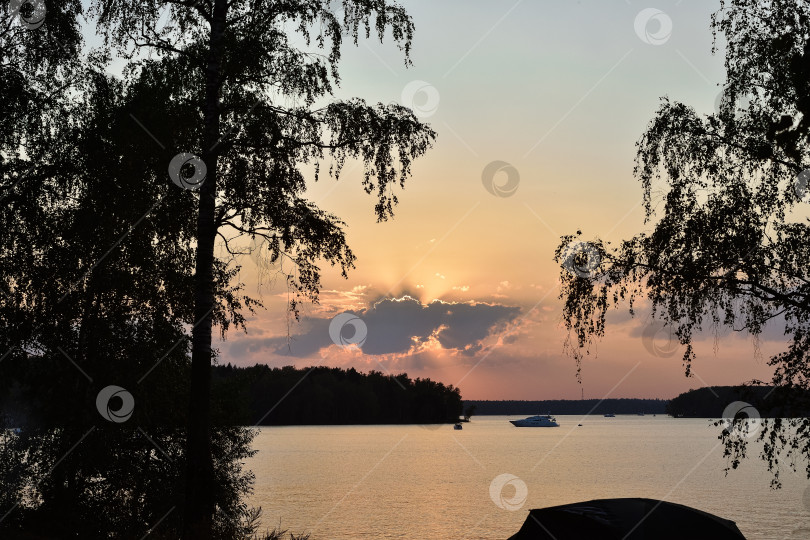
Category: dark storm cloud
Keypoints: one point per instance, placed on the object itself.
(395, 325)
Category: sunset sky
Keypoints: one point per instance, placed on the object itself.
(461, 286)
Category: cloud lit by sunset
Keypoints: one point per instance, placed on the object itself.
(530, 147)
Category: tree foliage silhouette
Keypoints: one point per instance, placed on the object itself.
(237, 64)
(96, 290)
(76, 295)
(727, 199)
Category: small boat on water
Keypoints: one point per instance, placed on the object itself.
(610, 415)
(457, 426)
(541, 420)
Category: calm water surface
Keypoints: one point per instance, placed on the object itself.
(339, 482)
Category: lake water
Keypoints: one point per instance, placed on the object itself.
(339, 482)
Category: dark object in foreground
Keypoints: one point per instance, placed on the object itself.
(631, 519)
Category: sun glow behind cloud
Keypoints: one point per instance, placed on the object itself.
(561, 92)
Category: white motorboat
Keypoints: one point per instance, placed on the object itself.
(541, 420)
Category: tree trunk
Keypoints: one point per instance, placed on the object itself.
(199, 502)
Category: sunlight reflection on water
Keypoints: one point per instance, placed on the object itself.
(409, 482)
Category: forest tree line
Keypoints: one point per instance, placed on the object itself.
(261, 395)
(769, 401)
(257, 395)
(569, 406)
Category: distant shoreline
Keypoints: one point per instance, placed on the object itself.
(761, 401)
(632, 406)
